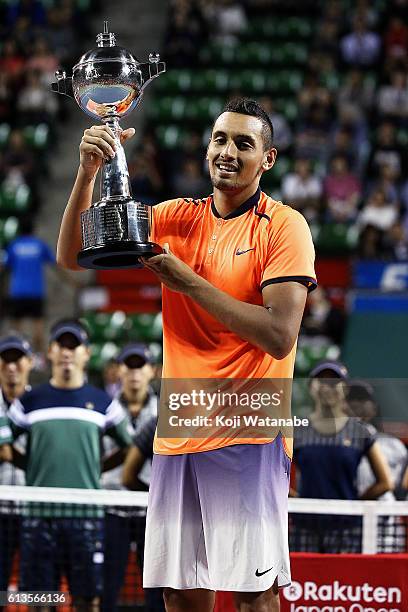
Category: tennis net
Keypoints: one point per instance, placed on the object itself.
(90, 542)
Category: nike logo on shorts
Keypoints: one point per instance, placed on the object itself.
(240, 252)
(259, 574)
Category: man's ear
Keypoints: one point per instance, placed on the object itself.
(270, 158)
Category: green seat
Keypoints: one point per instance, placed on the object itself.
(218, 54)
(273, 177)
(8, 230)
(104, 326)
(145, 327)
(4, 134)
(170, 136)
(255, 54)
(250, 81)
(288, 107)
(101, 353)
(308, 355)
(204, 109)
(14, 200)
(291, 53)
(335, 238)
(175, 81)
(36, 136)
(168, 108)
(210, 81)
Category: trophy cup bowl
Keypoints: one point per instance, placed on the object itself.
(107, 83)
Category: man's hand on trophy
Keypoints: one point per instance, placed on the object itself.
(171, 271)
(98, 145)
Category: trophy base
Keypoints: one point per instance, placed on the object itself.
(116, 255)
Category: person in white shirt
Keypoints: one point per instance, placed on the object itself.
(303, 189)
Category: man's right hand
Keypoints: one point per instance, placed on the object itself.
(97, 145)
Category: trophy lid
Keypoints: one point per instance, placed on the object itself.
(106, 51)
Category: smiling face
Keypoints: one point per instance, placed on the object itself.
(236, 155)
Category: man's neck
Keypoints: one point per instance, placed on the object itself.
(10, 393)
(135, 400)
(227, 201)
(74, 382)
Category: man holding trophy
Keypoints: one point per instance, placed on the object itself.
(236, 268)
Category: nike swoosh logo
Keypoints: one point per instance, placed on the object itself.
(239, 252)
(258, 573)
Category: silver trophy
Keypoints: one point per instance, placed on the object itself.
(107, 84)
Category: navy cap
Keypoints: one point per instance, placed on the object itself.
(339, 369)
(13, 341)
(69, 327)
(134, 349)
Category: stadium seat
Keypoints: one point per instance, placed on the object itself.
(175, 81)
(203, 109)
(309, 353)
(36, 136)
(210, 81)
(106, 326)
(335, 238)
(8, 230)
(290, 53)
(250, 81)
(273, 177)
(144, 327)
(288, 107)
(14, 200)
(218, 54)
(101, 353)
(5, 130)
(170, 136)
(168, 108)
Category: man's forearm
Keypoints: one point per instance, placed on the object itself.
(69, 240)
(250, 322)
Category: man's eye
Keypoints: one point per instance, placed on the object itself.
(219, 140)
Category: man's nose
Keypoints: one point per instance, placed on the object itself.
(229, 151)
(12, 366)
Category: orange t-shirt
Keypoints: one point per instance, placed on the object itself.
(260, 243)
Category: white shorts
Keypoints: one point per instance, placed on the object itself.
(219, 519)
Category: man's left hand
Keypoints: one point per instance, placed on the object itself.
(171, 271)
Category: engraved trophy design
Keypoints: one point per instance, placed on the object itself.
(107, 84)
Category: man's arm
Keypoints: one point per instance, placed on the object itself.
(131, 468)
(6, 454)
(273, 327)
(116, 458)
(97, 144)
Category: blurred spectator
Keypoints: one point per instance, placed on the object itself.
(6, 99)
(313, 94)
(387, 183)
(145, 179)
(228, 20)
(392, 100)
(111, 380)
(184, 34)
(396, 39)
(378, 212)
(343, 146)
(386, 150)
(26, 258)
(35, 102)
(121, 529)
(361, 402)
(282, 133)
(396, 242)
(322, 318)
(189, 180)
(327, 454)
(43, 60)
(356, 94)
(326, 39)
(311, 138)
(361, 47)
(302, 189)
(18, 162)
(12, 62)
(32, 10)
(15, 366)
(342, 191)
(61, 35)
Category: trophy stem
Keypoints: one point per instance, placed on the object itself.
(115, 183)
